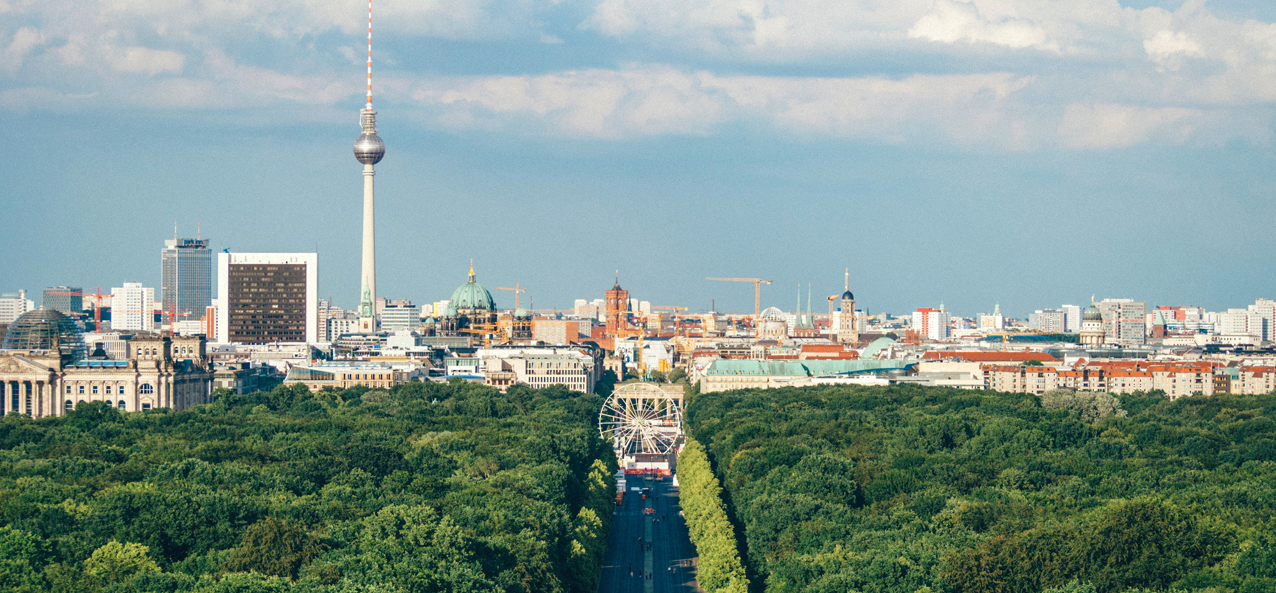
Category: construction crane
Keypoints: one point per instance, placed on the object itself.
(757, 291)
(676, 310)
(516, 290)
(97, 305)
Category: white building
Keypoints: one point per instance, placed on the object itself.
(540, 367)
(1071, 318)
(13, 305)
(931, 323)
(266, 298)
(1124, 321)
(400, 315)
(1267, 310)
(1047, 320)
(1241, 323)
(133, 307)
(995, 321)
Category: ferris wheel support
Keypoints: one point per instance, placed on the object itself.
(643, 423)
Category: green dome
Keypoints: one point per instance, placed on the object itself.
(1092, 313)
(472, 296)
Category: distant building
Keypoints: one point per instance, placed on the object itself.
(994, 321)
(538, 367)
(1071, 318)
(1124, 321)
(1242, 322)
(67, 299)
(931, 323)
(265, 298)
(1092, 335)
(1047, 320)
(617, 309)
(400, 314)
(186, 278)
(13, 305)
(133, 307)
(560, 332)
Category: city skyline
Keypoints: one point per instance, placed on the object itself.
(1125, 193)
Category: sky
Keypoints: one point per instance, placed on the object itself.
(1030, 153)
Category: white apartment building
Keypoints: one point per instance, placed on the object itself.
(1266, 309)
(932, 324)
(400, 315)
(1242, 323)
(133, 307)
(13, 305)
(1047, 320)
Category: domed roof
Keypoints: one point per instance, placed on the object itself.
(472, 296)
(521, 312)
(1092, 313)
(848, 296)
(42, 329)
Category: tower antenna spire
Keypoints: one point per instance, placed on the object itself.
(369, 106)
(848, 279)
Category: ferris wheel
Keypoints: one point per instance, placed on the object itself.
(641, 418)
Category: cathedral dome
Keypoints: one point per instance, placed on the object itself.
(847, 296)
(472, 296)
(1092, 313)
(45, 329)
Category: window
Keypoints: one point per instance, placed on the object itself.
(108, 390)
(95, 390)
(68, 390)
(146, 407)
(146, 389)
(139, 351)
(70, 405)
(81, 390)
(122, 406)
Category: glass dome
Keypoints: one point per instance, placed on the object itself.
(45, 329)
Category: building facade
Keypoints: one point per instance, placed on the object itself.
(1124, 321)
(13, 305)
(133, 307)
(265, 298)
(160, 372)
(186, 278)
(67, 299)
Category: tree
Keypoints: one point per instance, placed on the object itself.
(116, 562)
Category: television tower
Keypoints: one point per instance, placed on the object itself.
(368, 149)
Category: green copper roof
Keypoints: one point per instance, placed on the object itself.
(473, 296)
(800, 368)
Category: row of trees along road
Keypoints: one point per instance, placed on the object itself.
(904, 489)
(719, 568)
(426, 487)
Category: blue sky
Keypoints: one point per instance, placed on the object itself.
(1027, 152)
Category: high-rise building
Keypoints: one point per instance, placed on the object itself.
(931, 323)
(369, 150)
(13, 305)
(1266, 309)
(186, 278)
(265, 298)
(1242, 322)
(1124, 321)
(67, 299)
(133, 307)
(1071, 318)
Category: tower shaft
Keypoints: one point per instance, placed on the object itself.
(368, 278)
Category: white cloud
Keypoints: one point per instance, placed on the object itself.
(1168, 48)
(1119, 126)
(953, 21)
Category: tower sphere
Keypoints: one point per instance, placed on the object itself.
(369, 148)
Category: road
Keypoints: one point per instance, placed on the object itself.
(632, 531)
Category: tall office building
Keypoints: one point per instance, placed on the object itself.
(186, 278)
(368, 149)
(133, 307)
(67, 299)
(263, 298)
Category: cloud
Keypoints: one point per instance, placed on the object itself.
(142, 60)
(1119, 126)
(1168, 48)
(952, 22)
(24, 41)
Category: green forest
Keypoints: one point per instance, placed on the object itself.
(908, 489)
(425, 487)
